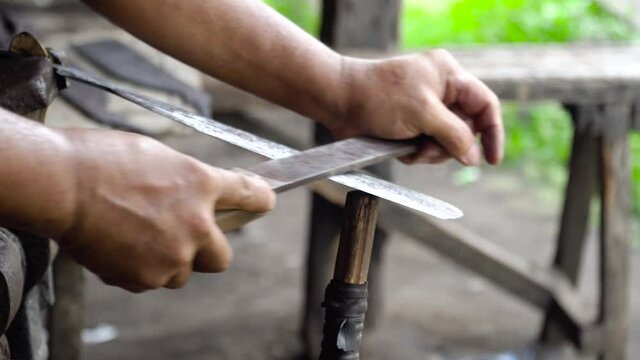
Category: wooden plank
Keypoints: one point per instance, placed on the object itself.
(571, 74)
(575, 218)
(614, 235)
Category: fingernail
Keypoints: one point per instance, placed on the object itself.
(473, 156)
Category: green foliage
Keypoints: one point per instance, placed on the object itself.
(438, 22)
(538, 141)
(302, 12)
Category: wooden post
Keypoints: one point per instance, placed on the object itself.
(67, 315)
(600, 150)
(356, 238)
(575, 218)
(346, 24)
(346, 296)
(614, 233)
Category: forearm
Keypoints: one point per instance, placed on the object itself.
(36, 176)
(242, 42)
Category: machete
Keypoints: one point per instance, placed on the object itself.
(290, 167)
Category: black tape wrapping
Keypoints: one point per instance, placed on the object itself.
(345, 307)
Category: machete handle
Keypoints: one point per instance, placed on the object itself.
(229, 220)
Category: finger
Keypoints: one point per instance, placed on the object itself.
(474, 99)
(429, 152)
(215, 255)
(452, 133)
(492, 135)
(244, 192)
(179, 280)
(467, 120)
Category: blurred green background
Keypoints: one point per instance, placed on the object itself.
(538, 136)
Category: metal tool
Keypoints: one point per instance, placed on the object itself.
(383, 189)
(314, 164)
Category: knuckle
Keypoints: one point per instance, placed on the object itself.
(432, 100)
(199, 225)
(223, 262)
(493, 99)
(459, 141)
(204, 179)
(246, 188)
(440, 55)
(181, 257)
(150, 282)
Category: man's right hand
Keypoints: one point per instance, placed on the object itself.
(143, 215)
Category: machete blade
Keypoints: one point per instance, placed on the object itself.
(356, 180)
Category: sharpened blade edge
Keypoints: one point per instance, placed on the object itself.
(375, 186)
(402, 196)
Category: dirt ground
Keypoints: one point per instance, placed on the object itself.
(433, 309)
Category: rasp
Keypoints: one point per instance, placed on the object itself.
(375, 186)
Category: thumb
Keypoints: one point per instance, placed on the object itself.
(242, 192)
(452, 133)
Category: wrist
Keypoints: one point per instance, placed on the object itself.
(355, 87)
(339, 97)
(64, 203)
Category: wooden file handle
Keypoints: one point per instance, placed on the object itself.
(229, 220)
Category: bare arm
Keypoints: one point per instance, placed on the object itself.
(27, 188)
(133, 211)
(244, 43)
(249, 45)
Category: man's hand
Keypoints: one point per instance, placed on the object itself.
(135, 212)
(144, 214)
(428, 94)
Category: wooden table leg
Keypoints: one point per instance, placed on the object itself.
(614, 235)
(575, 219)
(66, 317)
(346, 296)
